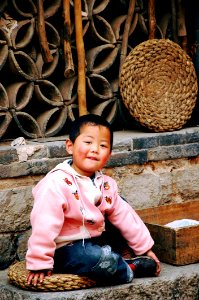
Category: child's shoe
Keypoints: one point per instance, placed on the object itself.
(142, 266)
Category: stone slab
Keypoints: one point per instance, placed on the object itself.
(179, 283)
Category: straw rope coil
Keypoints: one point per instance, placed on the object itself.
(17, 275)
(158, 85)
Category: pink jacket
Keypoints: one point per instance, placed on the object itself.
(68, 207)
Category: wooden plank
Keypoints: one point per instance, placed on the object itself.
(170, 212)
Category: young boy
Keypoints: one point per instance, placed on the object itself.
(68, 216)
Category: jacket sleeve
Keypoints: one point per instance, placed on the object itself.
(47, 219)
(132, 228)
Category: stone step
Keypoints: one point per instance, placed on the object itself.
(175, 282)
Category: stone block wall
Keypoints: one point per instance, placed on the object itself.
(151, 169)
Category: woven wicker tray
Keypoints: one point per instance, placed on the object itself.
(158, 85)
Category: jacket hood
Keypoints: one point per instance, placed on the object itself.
(66, 167)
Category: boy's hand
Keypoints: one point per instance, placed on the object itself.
(35, 277)
(151, 254)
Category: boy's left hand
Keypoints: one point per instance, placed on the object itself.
(151, 254)
(35, 277)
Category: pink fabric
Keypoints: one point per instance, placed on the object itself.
(68, 207)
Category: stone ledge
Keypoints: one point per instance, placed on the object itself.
(130, 147)
(175, 282)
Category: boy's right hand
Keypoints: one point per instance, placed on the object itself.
(35, 277)
(151, 254)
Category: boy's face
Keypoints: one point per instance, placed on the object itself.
(91, 149)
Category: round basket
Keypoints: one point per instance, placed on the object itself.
(158, 85)
(17, 275)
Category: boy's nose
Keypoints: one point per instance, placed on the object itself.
(94, 148)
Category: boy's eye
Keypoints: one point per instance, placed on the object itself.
(87, 142)
(104, 146)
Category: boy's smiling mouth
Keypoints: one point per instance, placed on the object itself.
(92, 158)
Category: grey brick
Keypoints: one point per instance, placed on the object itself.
(173, 152)
(192, 137)
(32, 167)
(37, 167)
(172, 139)
(125, 158)
(145, 142)
(57, 149)
(123, 145)
(8, 155)
(190, 150)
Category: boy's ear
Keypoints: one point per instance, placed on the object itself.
(69, 146)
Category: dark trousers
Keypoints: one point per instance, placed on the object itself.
(88, 257)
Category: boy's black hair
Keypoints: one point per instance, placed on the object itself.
(89, 119)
